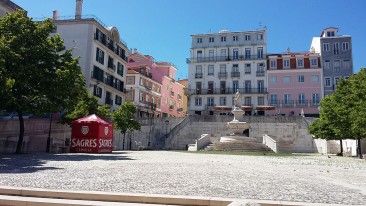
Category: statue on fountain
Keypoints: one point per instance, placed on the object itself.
(237, 100)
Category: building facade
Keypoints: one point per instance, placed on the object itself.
(222, 64)
(336, 54)
(144, 92)
(184, 82)
(171, 103)
(103, 56)
(7, 6)
(294, 83)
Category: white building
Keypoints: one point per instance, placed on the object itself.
(103, 55)
(222, 63)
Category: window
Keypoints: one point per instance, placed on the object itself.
(199, 40)
(260, 67)
(222, 101)
(336, 79)
(286, 63)
(235, 53)
(130, 80)
(199, 56)
(223, 53)
(287, 99)
(235, 85)
(314, 62)
(326, 47)
(260, 85)
(287, 79)
(316, 99)
(97, 91)
(327, 64)
(337, 66)
(129, 95)
(260, 100)
(260, 52)
(300, 78)
(247, 53)
(141, 97)
(330, 33)
(336, 48)
(98, 74)
(198, 101)
(141, 81)
(100, 56)
(210, 70)
(247, 37)
(235, 68)
(327, 82)
(273, 79)
(301, 99)
(273, 63)
(210, 101)
(235, 38)
(247, 69)
(248, 101)
(345, 46)
(211, 39)
(248, 86)
(314, 78)
(120, 69)
(346, 63)
(259, 36)
(223, 38)
(273, 99)
(198, 71)
(300, 63)
(222, 67)
(211, 55)
(118, 100)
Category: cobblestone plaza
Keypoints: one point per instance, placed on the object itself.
(313, 178)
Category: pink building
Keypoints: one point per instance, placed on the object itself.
(294, 83)
(171, 100)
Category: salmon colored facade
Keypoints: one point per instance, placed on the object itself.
(163, 73)
(294, 83)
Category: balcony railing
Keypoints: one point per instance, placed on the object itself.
(293, 103)
(260, 73)
(108, 101)
(225, 58)
(235, 74)
(228, 90)
(198, 75)
(222, 74)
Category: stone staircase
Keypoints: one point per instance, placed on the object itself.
(247, 144)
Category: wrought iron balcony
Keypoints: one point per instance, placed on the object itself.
(260, 73)
(228, 90)
(222, 74)
(235, 74)
(198, 75)
(226, 58)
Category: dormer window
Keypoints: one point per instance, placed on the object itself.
(330, 33)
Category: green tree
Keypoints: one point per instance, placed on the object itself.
(124, 119)
(39, 74)
(86, 106)
(343, 113)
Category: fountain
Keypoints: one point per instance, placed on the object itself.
(236, 126)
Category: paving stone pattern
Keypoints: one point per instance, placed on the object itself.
(314, 178)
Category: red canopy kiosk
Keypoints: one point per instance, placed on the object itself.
(91, 134)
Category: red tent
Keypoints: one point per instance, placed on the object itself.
(91, 134)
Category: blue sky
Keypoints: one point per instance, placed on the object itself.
(162, 28)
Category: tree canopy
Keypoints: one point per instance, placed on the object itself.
(37, 74)
(87, 105)
(343, 113)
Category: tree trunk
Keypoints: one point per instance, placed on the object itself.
(341, 145)
(21, 133)
(123, 141)
(359, 148)
(49, 136)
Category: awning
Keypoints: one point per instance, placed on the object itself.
(222, 108)
(247, 108)
(263, 108)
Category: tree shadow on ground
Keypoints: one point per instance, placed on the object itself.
(29, 163)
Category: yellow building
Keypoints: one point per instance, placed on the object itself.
(184, 82)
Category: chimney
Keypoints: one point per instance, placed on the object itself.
(79, 8)
(55, 15)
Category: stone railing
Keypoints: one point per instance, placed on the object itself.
(200, 143)
(271, 143)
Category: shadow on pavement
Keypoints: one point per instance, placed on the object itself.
(29, 163)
